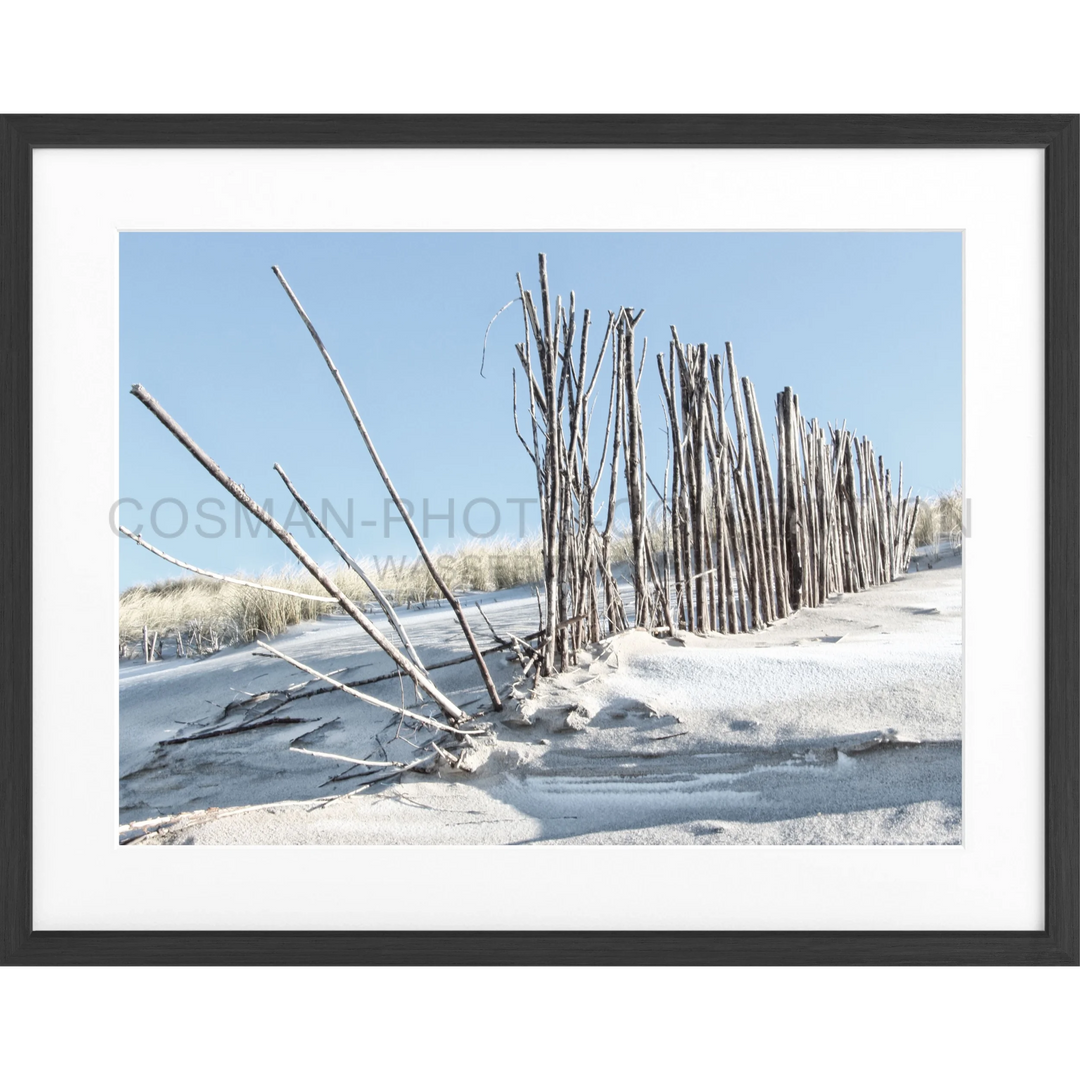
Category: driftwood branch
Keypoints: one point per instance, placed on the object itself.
(356, 568)
(448, 707)
(368, 698)
(521, 439)
(353, 760)
(447, 592)
(222, 577)
(483, 354)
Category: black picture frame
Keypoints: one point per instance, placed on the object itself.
(1058, 136)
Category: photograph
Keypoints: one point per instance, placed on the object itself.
(632, 530)
(516, 538)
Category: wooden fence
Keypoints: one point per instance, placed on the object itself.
(742, 540)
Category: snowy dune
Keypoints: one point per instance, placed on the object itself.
(839, 725)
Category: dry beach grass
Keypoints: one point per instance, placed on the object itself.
(940, 519)
(210, 615)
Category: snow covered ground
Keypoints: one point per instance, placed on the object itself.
(839, 725)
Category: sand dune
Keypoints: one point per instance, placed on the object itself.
(839, 725)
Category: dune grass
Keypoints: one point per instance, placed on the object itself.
(207, 615)
(940, 520)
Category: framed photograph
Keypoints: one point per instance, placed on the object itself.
(540, 539)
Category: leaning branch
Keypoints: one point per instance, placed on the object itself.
(356, 568)
(221, 577)
(360, 695)
(354, 760)
(418, 676)
(445, 589)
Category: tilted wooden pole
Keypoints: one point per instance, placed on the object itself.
(361, 696)
(237, 492)
(356, 568)
(445, 589)
(222, 577)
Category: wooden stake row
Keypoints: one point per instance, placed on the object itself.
(582, 597)
(743, 544)
(746, 551)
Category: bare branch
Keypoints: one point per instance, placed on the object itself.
(221, 577)
(445, 589)
(517, 430)
(237, 491)
(351, 760)
(361, 696)
(483, 354)
(357, 569)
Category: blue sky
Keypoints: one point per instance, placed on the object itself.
(865, 326)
